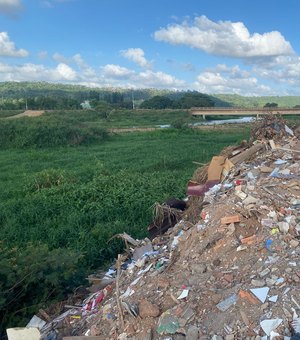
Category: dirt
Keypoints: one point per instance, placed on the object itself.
(28, 113)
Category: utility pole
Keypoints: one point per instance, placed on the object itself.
(132, 98)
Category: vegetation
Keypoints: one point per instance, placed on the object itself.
(60, 202)
(186, 101)
(42, 95)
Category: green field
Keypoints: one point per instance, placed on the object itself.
(61, 201)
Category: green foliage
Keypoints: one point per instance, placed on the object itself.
(32, 275)
(271, 105)
(187, 100)
(157, 103)
(193, 99)
(180, 124)
(14, 133)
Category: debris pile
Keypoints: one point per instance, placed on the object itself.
(233, 274)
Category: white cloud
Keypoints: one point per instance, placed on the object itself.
(116, 71)
(33, 72)
(8, 48)
(66, 72)
(137, 55)
(10, 7)
(284, 70)
(225, 38)
(60, 58)
(158, 79)
(224, 79)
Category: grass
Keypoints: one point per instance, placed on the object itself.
(60, 203)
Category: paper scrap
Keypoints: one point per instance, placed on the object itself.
(183, 294)
(273, 298)
(260, 293)
(270, 325)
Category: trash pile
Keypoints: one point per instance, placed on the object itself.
(233, 274)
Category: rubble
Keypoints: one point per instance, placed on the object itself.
(233, 273)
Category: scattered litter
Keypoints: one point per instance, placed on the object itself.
(227, 303)
(261, 293)
(270, 325)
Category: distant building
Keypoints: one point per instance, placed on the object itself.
(86, 105)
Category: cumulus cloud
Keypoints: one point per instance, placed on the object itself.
(224, 79)
(225, 38)
(10, 7)
(159, 79)
(283, 69)
(32, 72)
(8, 48)
(116, 71)
(60, 58)
(137, 55)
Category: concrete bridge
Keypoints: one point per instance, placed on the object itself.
(234, 111)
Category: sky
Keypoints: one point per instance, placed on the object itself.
(246, 47)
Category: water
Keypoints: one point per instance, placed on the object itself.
(217, 122)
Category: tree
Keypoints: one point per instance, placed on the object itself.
(193, 99)
(271, 105)
(157, 103)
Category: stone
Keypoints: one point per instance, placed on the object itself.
(145, 335)
(283, 227)
(250, 200)
(294, 243)
(257, 283)
(229, 337)
(148, 309)
(192, 333)
(228, 277)
(198, 268)
(264, 272)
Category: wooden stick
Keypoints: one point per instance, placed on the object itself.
(118, 292)
(285, 149)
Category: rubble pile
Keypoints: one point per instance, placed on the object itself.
(232, 274)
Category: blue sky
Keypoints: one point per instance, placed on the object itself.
(248, 47)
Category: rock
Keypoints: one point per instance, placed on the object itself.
(283, 227)
(264, 306)
(192, 333)
(148, 309)
(229, 337)
(198, 268)
(264, 272)
(145, 335)
(258, 283)
(250, 200)
(228, 277)
(294, 243)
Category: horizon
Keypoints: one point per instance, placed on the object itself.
(248, 49)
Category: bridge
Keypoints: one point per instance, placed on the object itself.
(235, 111)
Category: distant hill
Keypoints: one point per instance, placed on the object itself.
(242, 101)
(10, 91)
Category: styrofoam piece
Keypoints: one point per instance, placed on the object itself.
(269, 325)
(261, 293)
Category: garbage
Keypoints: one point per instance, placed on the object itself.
(261, 293)
(168, 323)
(23, 334)
(183, 294)
(227, 303)
(270, 325)
(223, 265)
(230, 219)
